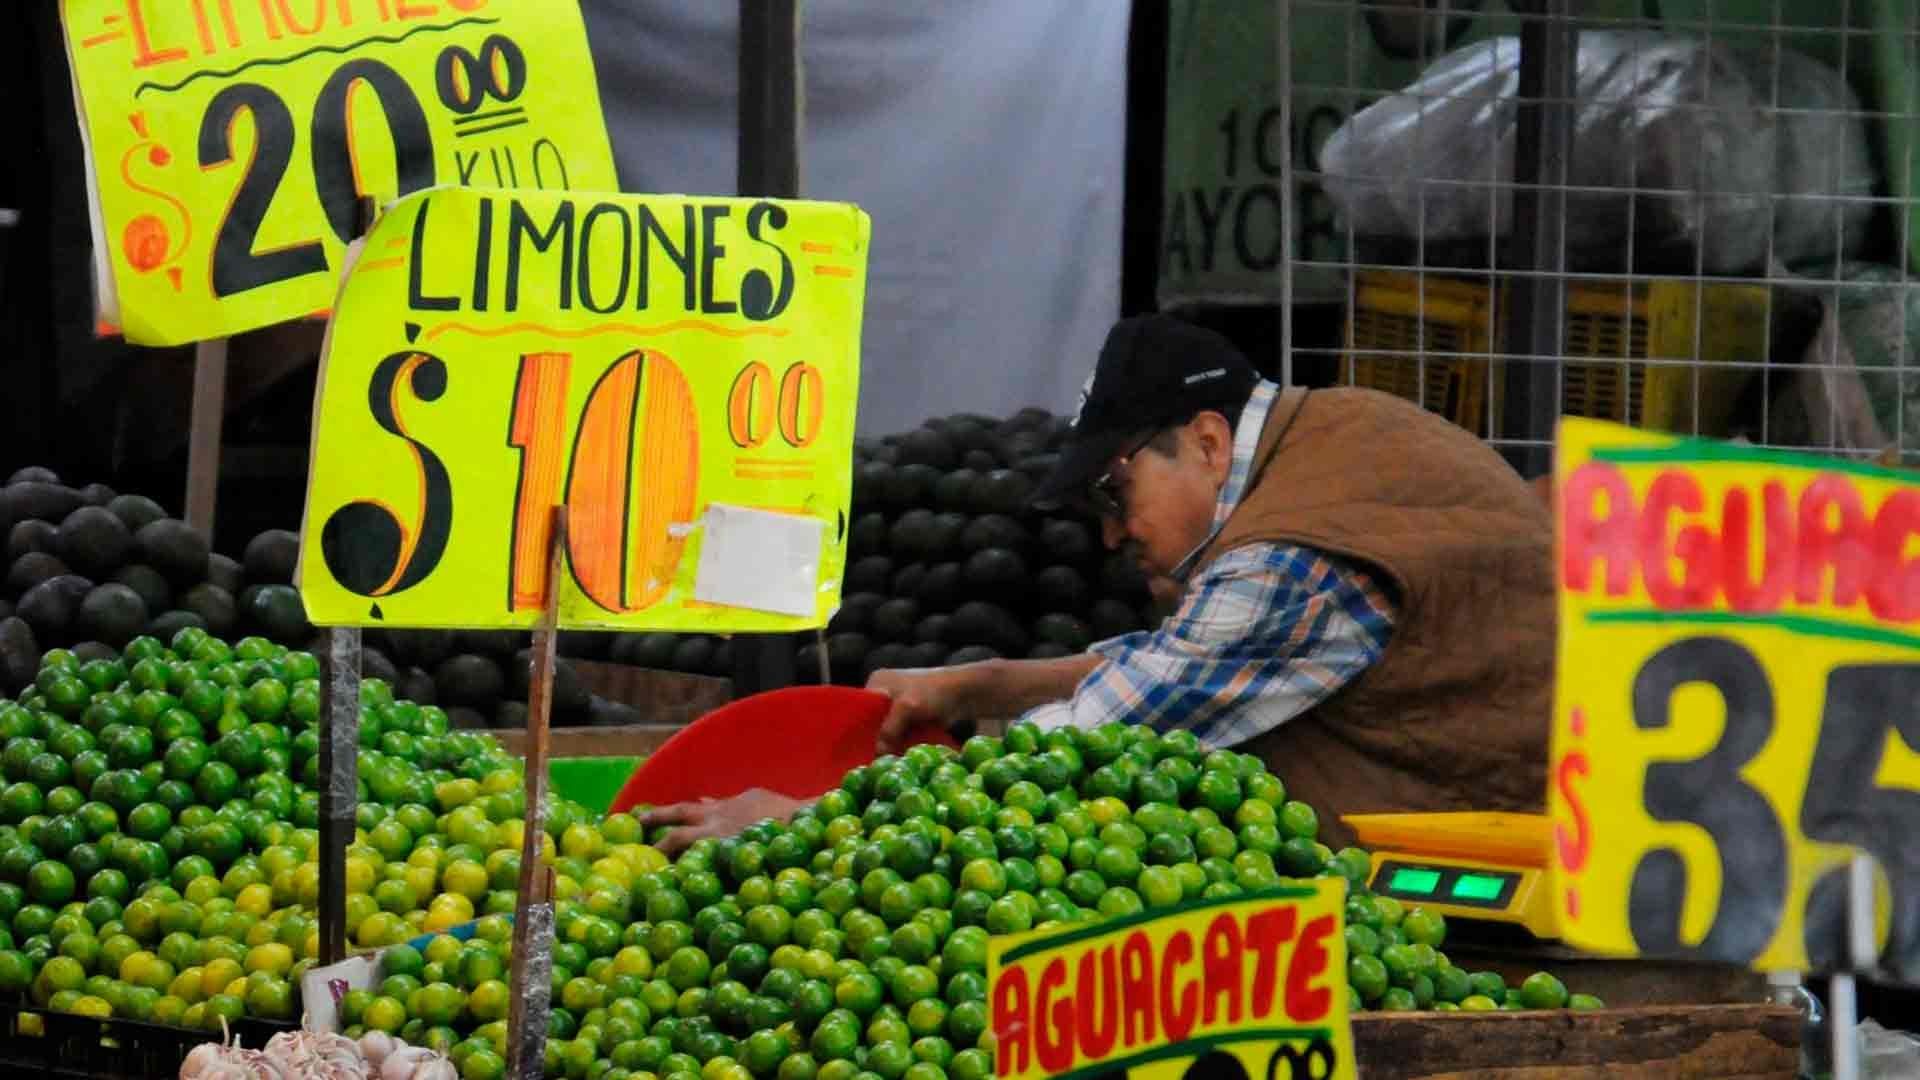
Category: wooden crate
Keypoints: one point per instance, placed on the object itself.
(663, 697)
(1624, 983)
(1656, 1042)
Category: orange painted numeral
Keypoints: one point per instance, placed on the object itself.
(750, 406)
(539, 420)
(638, 423)
(802, 400)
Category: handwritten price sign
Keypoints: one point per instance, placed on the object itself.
(229, 143)
(679, 373)
(1739, 699)
(1253, 986)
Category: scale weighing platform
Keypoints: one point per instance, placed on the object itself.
(1487, 867)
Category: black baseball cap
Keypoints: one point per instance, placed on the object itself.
(1153, 371)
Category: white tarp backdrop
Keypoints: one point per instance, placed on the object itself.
(986, 139)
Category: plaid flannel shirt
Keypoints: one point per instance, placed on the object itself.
(1264, 633)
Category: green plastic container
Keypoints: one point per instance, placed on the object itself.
(590, 781)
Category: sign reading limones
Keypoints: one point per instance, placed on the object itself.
(679, 372)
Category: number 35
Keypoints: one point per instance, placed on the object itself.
(1864, 704)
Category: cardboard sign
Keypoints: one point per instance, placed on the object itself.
(1260, 979)
(321, 989)
(1739, 699)
(674, 370)
(227, 144)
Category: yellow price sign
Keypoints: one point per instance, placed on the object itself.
(228, 144)
(1250, 986)
(1738, 708)
(680, 373)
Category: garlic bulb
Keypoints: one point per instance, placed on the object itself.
(316, 1055)
(376, 1045)
(437, 1068)
(201, 1060)
(400, 1064)
(416, 1063)
(229, 1061)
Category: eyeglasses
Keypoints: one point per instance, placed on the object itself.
(1107, 495)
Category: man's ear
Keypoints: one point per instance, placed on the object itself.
(1214, 437)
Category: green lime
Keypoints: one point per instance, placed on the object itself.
(1367, 975)
(16, 972)
(1398, 999)
(1218, 791)
(266, 700)
(1159, 886)
(217, 783)
(1489, 984)
(50, 883)
(1117, 864)
(1541, 990)
(1452, 984)
(1423, 927)
(185, 757)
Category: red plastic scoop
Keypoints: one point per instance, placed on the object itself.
(799, 741)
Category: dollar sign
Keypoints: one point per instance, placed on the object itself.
(367, 547)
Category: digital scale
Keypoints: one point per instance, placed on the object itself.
(1486, 867)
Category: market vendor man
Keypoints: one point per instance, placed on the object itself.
(1365, 598)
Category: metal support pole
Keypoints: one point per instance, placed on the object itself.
(340, 792)
(339, 719)
(771, 118)
(1290, 225)
(1843, 1007)
(1536, 313)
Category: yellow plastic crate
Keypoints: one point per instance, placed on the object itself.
(1415, 323)
(1403, 327)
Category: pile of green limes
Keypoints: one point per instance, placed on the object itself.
(158, 839)
(851, 942)
(158, 828)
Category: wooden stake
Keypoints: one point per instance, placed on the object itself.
(532, 969)
(203, 433)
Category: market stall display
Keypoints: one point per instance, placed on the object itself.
(158, 864)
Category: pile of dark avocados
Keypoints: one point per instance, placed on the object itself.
(949, 563)
(90, 569)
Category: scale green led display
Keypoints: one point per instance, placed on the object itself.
(1446, 884)
(1481, 887)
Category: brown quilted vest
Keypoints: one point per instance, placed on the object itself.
(1455, 714)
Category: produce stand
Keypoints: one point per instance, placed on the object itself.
(928, 870)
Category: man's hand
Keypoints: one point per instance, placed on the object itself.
(920, 696)
(718, 817)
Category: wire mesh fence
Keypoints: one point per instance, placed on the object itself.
(1685, 215)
